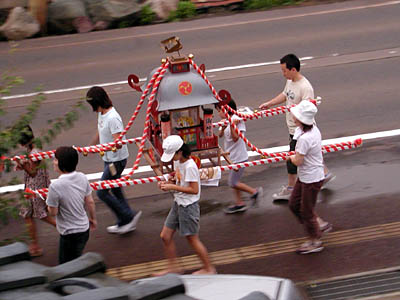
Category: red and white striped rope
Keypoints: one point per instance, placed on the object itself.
(250, 145)
(105, 147)
(35, 156)
(147, 120)
(107, 184)
(110, 146)
(142, 99)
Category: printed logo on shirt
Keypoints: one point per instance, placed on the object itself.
(290, 95)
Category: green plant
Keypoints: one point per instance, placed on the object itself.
(265, 4)
(9, 139)
(185, 9)
(147, 15)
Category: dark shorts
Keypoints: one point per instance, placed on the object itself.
(291, 168)
(185, 219)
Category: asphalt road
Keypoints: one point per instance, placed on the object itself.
(354, 47)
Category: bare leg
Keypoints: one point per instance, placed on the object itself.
(238, 201)
(167, 235)
(202, 252)
(34, 249)
(292, 179)
(245, 188)
(241, 187)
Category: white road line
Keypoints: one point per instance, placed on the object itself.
(147, 169)
(84, 87)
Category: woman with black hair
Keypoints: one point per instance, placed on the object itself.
(109, 127)
(36, 177)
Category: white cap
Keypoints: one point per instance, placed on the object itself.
(170, 145)
(305, 112)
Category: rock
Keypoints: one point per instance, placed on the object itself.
(110, 11)
(82, 24)
(101, 25)
(68, 15)
(38, 9)
(19, 25)
(163, 8)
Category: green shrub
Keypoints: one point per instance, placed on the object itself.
(265, 4)
(10, 135)
(147, 15)
(185, 9)
(124, 24)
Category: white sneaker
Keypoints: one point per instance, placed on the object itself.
(112, 229)
(131, 225)
(127, 227)
(310, 247)
(283, 194)
(326, 227)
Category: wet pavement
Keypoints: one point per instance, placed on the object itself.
(355, 71)
(364, 195)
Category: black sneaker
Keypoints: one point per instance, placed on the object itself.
(256, 197)
(235, 209)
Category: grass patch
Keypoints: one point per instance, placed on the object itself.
(147, 15)
(266, 4)
(185, 9)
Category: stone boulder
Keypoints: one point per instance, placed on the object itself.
(162, 8)
(19, 25)
(68, 16)
(110, 11)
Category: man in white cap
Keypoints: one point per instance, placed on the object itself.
(310, 163)
(185, 212)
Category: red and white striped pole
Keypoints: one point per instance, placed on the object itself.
(108, 184)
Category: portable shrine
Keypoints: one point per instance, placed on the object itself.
(183, 105)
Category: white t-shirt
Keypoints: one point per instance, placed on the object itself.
(68, 193)
(309, 145)
(108, 124)
(184, 174)
(237, 150)
(295, 92)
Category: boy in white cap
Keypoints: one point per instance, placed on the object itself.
(185, 212)
(238, 154)
(310, 163)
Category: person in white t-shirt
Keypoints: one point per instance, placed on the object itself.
(237, 154)
(310, 163)
(109, 127)
(184, 215)
(297, 88)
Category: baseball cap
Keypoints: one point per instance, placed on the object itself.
(170, 145)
